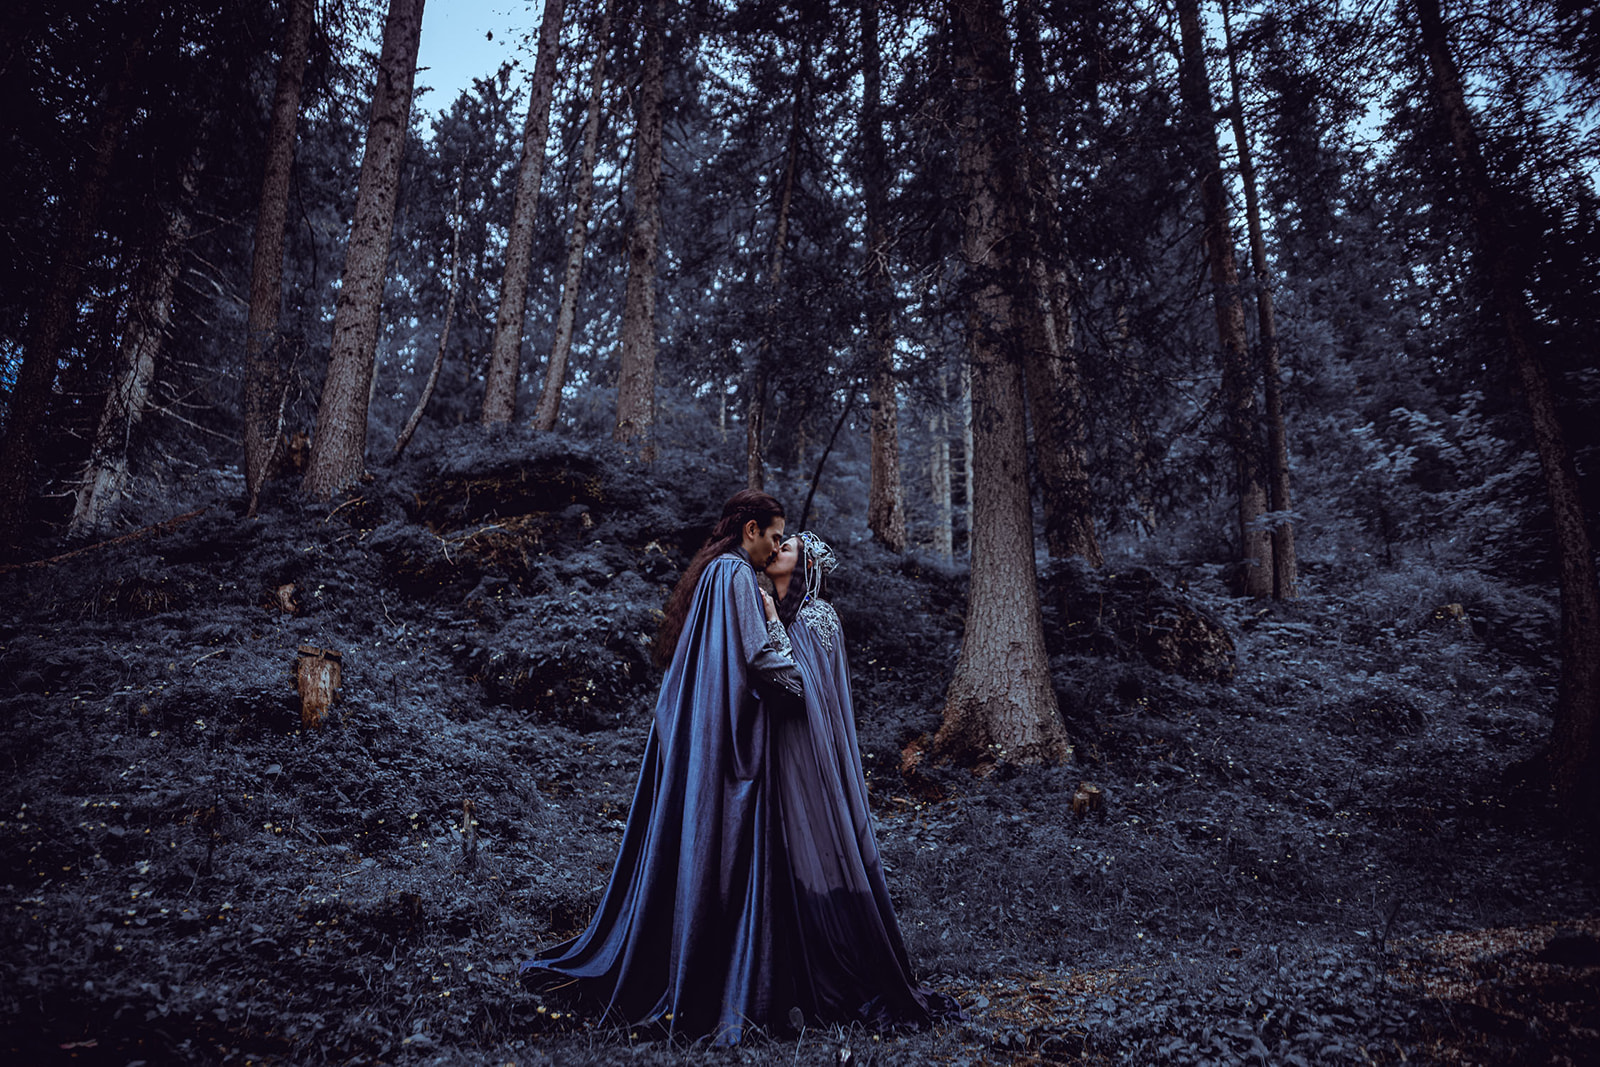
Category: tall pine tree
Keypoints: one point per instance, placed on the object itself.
(338, 449)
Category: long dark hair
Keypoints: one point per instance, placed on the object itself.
(742, 507)
(795, 597)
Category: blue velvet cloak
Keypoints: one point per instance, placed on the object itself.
(852, 963)
(695, 930)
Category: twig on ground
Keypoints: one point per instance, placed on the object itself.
(164, 526)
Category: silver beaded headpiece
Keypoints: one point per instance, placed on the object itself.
(823, 562)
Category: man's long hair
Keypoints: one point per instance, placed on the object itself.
(742, 507)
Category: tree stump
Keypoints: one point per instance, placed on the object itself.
(317, 673)
(1088, 798)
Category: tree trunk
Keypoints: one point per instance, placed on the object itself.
(636, 380)
(1142, 460)
(1233, 354)
(263, 384)
(755, 466)
(544, 415)
(1055, 403)
(338, 451)
(1574, 756)
(886, 516)
(944, 540)
(1285, 572)
(505, 352)
(149, 319)
(1000, 705)
(1055, 392)
(50, 323)
(966, 449)
(404, 437)
(754, 422)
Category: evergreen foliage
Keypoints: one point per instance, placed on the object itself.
(1417, 484)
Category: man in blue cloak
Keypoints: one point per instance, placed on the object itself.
(696, 928)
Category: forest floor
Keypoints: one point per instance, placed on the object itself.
(1317, 847)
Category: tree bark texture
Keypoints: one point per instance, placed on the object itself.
(1233, 353)
(549, 405)
(886, 516)
(755, 420)
(263, 375)
(1000, 704)
(966, 449)
(944, 540)
(1285, 571)
(105, 474)
(403, 438)
(1574, 756)
(338, 451)
(1055, 404)
(1055, 391)
(505, 351)
(636, 380)
(755, 460)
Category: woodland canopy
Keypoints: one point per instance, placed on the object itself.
(1232, 342)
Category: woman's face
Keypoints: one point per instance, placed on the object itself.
(783, 561)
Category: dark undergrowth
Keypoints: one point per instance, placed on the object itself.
(1317, 842)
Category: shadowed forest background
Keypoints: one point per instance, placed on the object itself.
(1202, 398)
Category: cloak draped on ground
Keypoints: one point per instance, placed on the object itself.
(852, 962)
(696, 929)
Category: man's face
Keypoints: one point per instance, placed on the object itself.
(766, 543)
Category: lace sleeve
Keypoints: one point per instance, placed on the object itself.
(780, 638)
(771, 669)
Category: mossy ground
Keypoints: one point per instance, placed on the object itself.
(1328, 857)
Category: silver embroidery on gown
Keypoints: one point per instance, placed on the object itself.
(823, 620)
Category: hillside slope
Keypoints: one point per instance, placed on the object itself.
(1309, 851)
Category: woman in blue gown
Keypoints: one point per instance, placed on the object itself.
(852, 963)
(696, 929)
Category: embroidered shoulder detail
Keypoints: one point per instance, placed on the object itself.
(823, 620)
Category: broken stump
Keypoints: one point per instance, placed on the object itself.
(1088, 798)
(317, 674)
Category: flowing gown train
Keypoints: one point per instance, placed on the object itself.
(852, 961)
